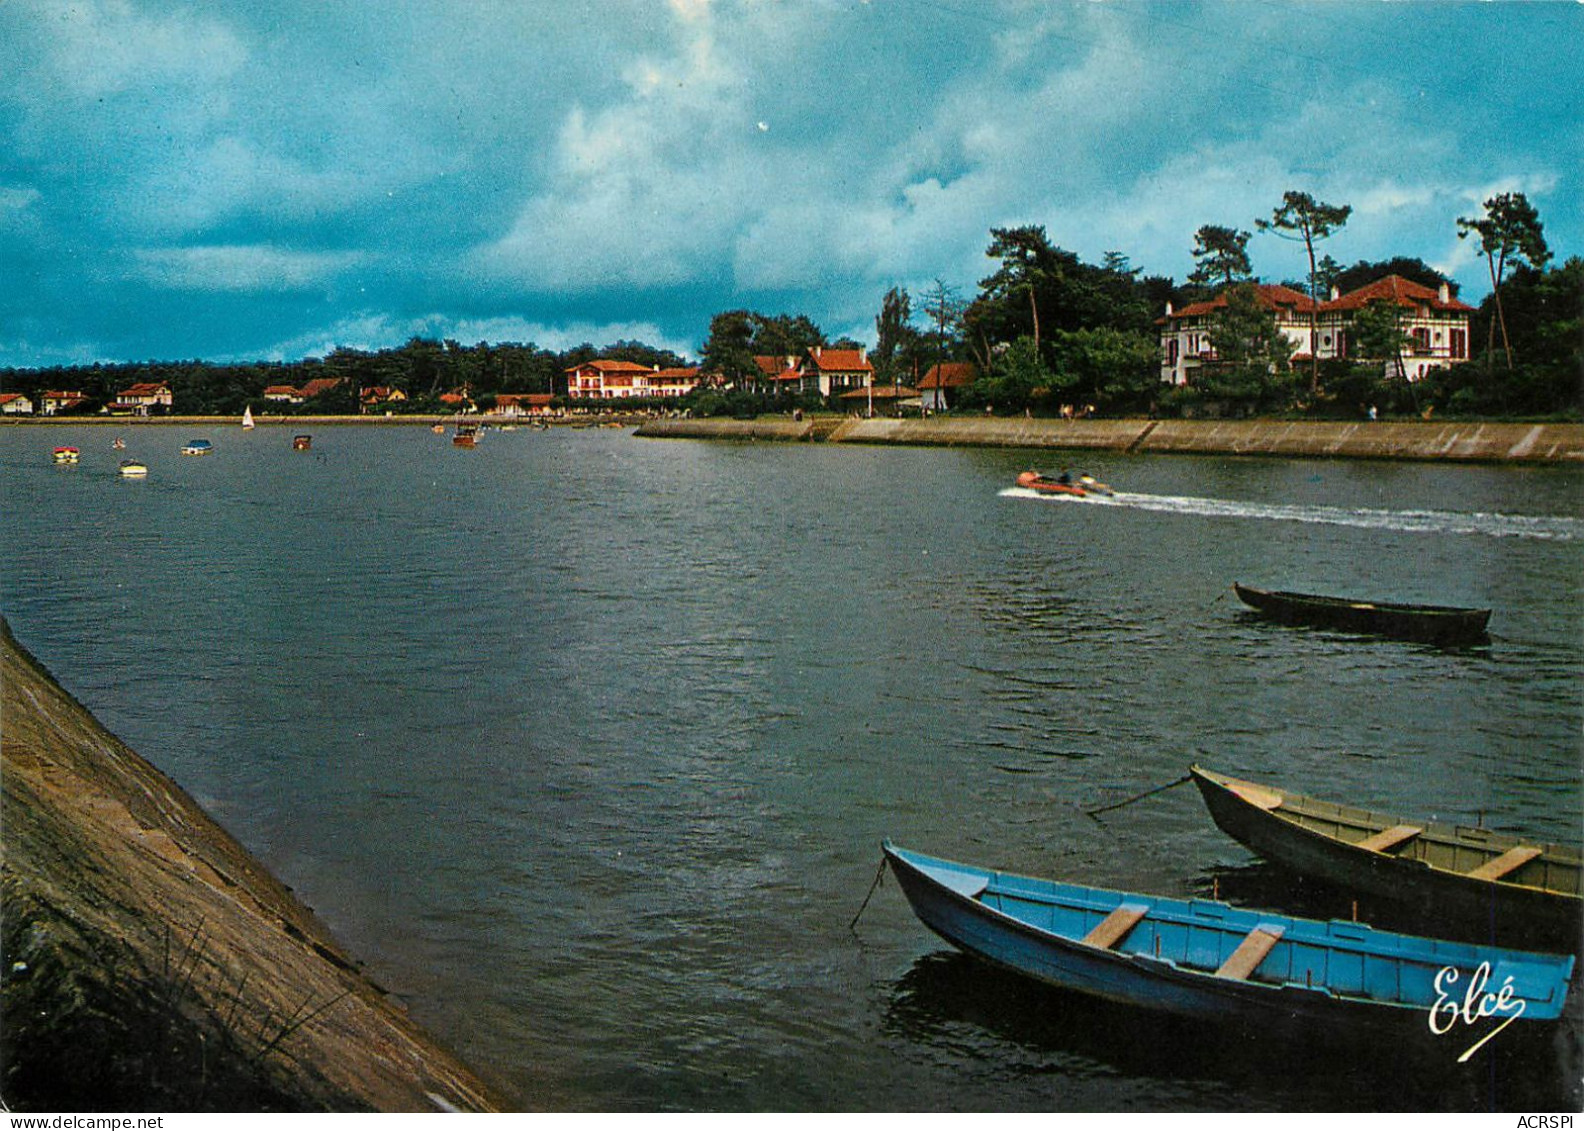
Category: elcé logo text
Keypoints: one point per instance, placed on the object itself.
(1477, 1003)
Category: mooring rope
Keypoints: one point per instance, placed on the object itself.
(1139, 797)
(879, 876)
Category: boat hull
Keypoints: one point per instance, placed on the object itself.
(1531, 913)
(1320, 974)
(1427, 624)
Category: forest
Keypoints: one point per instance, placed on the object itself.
(1043, 329)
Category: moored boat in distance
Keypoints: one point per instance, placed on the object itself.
(197, 448)
(1063, 484)
(1491, 884)
(466, 436)
(1208, 960)
(65, 454)
(302, 442)
(247, 416)
(1426, 624)
(132, 469)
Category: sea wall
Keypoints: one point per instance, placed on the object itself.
(1413, 440)
(150, 963)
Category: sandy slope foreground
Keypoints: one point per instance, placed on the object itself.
(151, 963)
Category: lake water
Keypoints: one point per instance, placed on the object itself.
(585, 743)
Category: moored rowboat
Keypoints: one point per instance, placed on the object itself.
(1205, 959)
(1490, 881)
(1430, 624)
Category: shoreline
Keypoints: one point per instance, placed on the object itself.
(1461, 441)
(153, 963)
(1469, 441)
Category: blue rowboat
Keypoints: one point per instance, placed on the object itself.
(1205, 959)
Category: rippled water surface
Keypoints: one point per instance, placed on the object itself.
(586, 742)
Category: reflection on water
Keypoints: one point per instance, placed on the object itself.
(1076, 1049)
(586, 744)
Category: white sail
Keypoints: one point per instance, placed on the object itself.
(247, 417)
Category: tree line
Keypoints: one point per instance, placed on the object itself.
(1043, 329)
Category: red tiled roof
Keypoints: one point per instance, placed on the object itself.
(319, 385)
(1398, 290)
(281, 391)
(685, 373)
(146, 389)
(7, 398)
(603, 366)
(53, 395)
(770, 365)
(949, 374)
(841, 361)
(1270, 296)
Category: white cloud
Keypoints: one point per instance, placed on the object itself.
(254, 267)
(96, 47)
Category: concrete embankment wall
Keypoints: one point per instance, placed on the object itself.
(150, 963)
(1416, 440)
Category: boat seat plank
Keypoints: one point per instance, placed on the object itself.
(1388, 839)
(1259, 798)
(1115, 926)
(1508, 861)
(1250, 952)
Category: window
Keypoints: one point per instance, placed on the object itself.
(1459, 349)
(1421, 339)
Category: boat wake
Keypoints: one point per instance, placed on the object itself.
(1546, 527)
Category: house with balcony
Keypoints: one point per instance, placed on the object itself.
(1435, 322)
(823, 370)
(60, 402)
(1185, 333)
(607, 380)
(142, 399)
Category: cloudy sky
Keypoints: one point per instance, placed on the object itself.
(273, 178)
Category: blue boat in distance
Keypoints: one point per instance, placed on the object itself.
(1208, 960)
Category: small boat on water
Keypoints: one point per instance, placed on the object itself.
(466, 436)
(66, 454)
(1205, 959)
(302, 442)
(132, 469)
(1491, 881)
(197, 448)
(1063, 484)
(247, 417)
(437, 429)
(118, 444)
(1427, 624)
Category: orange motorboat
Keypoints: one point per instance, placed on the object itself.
(1063, 484)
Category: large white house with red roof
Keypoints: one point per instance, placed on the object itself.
(606, 380)
(1435, 322)
(142, 398)
(823, 370)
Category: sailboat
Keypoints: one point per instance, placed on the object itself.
(247, 417)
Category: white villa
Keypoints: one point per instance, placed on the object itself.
(1435, 322)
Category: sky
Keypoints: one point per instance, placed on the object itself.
(272, 179)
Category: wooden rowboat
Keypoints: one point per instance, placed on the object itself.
(1205, 959)
(1492, 884)
(1430, 624)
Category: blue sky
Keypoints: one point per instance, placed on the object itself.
(274, 178)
